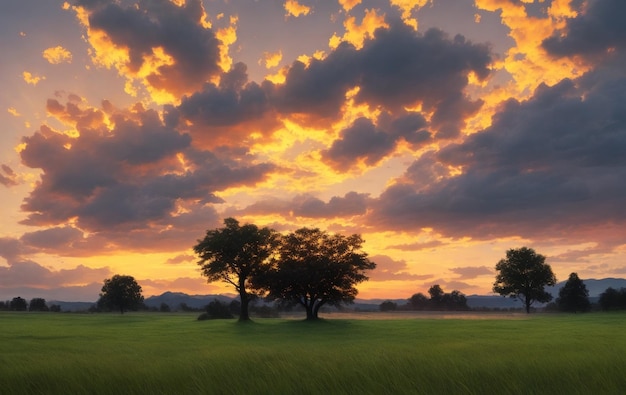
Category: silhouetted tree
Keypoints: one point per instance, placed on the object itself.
(18, 304)
(454, 300)
(121, 292)
(235, 254)
(523, 275)
(612, 299)
(216, 310)
(37, 304)
(55, 308)
(164, 308)
(573, 296)
(418, 301)
(315, 268)
(436, 296)
(388, 305)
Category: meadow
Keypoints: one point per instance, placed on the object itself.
(159, 353)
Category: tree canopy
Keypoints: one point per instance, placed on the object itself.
(574, 296)
(121, 292)
(523, 274)
(315, 268)
(38, 304)
(235, 254)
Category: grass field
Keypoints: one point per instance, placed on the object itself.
(152, 353)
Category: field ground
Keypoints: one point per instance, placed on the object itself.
(157, 353)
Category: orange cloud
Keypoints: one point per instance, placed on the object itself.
(31, 78)
(407, 7)
(13, 111)
(347, 5)
(271, 59)
(356, 34)
(296, 9)
(58, 54)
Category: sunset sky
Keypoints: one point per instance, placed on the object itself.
(444, 132)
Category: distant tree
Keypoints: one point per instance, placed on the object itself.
(418, 301)
(216, 310)
(315, 269)
(523, 275)
(573, 296)
(388, 305)
(235, 254)
(455, 301)
(4, 305)
(164, 308)
(38, 304)
(121, 292)
(436, 296)
(55, 308)
(613, 299)
(18, 304)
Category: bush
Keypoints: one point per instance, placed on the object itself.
(216, 310)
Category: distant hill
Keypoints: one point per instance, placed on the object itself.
(175, 299)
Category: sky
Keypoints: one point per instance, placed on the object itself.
(443, 132)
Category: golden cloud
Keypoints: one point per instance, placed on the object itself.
(296, 9)
(56, 55)
(31, 78)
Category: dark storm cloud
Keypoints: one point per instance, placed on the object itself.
(599, 28)
(395, 69)
(550, 166)
(161, 24)
(361, 141)
(127, 177)
(233, 101)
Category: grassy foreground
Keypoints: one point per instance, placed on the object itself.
(175, 354)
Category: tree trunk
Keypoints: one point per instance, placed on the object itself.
(528, 301)
(316, 310)
(243, 313)
(309, 313)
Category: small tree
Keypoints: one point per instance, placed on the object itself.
(613, 299)
(436, 296)
(523, 275)
(18, 304)
(418, 301)
(388, 305)
(235, 254)
(37, 304)
(573, 296)
(315, 269)
(121, 292)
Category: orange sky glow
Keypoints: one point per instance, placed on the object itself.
(445, 133)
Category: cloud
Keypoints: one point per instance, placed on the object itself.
(417, 246)
(388, 269)
(550, 166)
(31, 78)
(271, 59)
(135, 172)
(395, 69)
(182, 258)
(594, 32)
(307, 206)
(56, 55)
(167, 47)
(52, 238)
(8, 177)
(470, 272)
(295, 9)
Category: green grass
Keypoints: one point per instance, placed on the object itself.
(175, 354)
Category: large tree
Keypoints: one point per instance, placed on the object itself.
(574, 296)
(235, 254)
(523, 274)
(315, 268)
(121, 292)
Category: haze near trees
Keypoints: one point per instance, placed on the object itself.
(523, 274)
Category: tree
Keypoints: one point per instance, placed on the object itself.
(315, 268)
(523, 275)
(37, 304)
(235, 254)
(121, 292)
(574, 296)
(388, 305)
(436, 296)
(612, 299)
(418, 301)
(18, 304)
